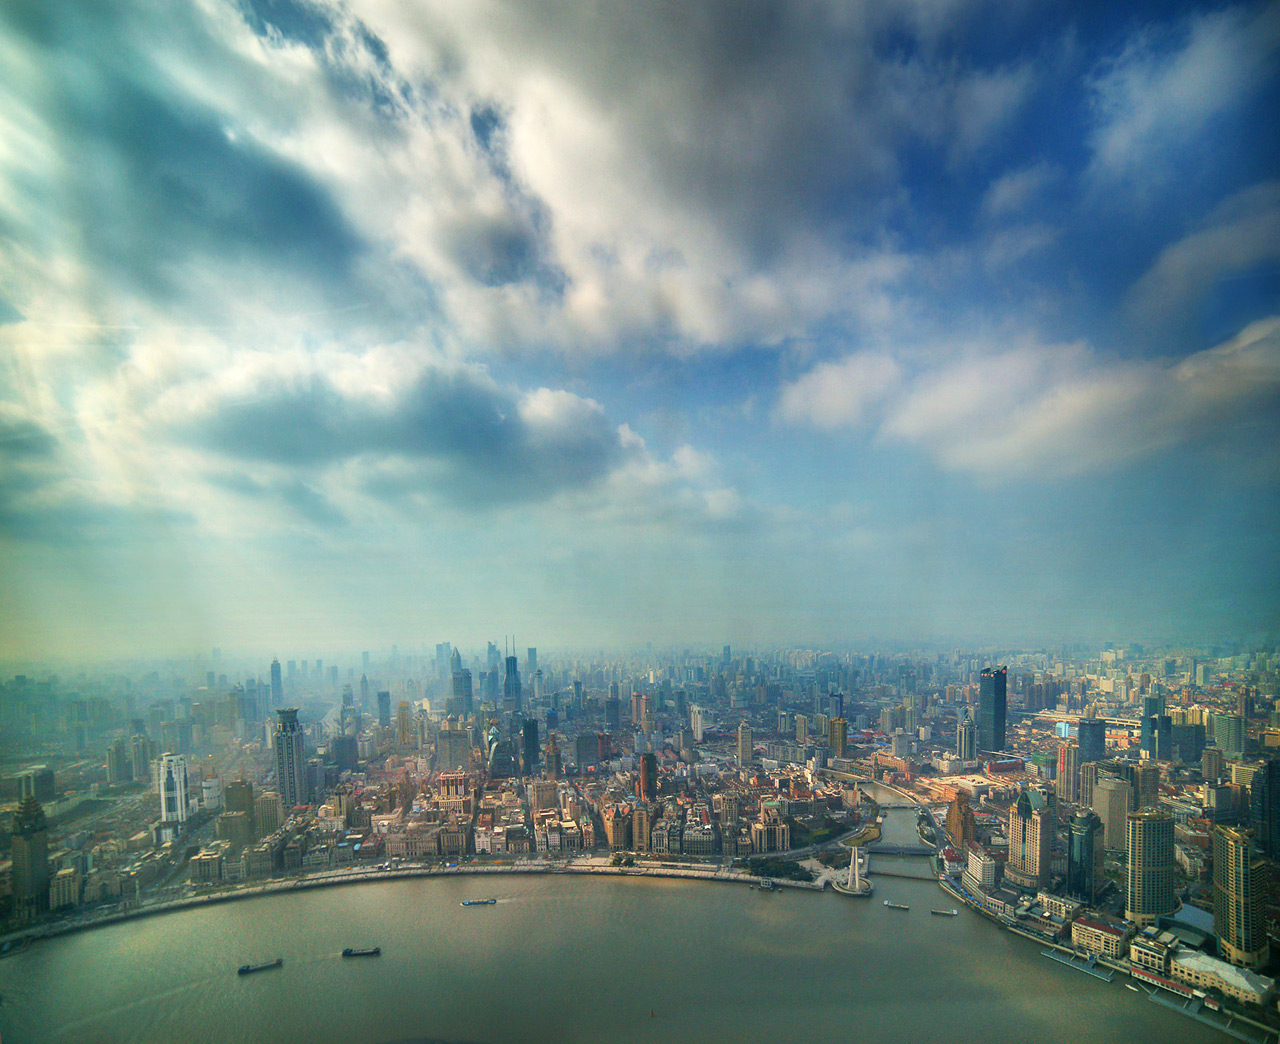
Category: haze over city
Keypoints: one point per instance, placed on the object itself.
(332, 325)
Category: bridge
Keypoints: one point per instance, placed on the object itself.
(875, 848)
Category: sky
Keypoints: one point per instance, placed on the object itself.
(325, 324)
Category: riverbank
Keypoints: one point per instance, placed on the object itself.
(336, 878)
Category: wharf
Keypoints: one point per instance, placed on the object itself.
(1089, 967)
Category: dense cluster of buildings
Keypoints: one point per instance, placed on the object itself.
(1114, 800)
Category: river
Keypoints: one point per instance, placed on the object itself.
(568, 959)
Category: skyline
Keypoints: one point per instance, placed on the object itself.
(332, 325)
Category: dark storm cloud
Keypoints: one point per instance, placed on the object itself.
(455, 431)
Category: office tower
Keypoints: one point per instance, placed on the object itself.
(30, 856)
(696, 722)
(1030, 840)
(463, 695)
(1068, 781)
(647, 783)
(1188, 742)
(364, 690)
(140, 757)
(1085, 856)
(531, 661)
(237, 796)
(1212, 764)
(1091, 734)
(726, 657)
(992, 697)
(646, 715)
(1264, 809)
(404, 724)
(291, 765)
(119, 767)
(1149, 884)
(585, 747)
(1239, 898)
(613, 715)
(966, 738)
(554, 768)
(173, 788)
(745, 744)
(838, 729)
(277, 683)
(529, 734)
(961, 825)
(511, 694)
(1229, 734)
(1111, 799)
(384, 709)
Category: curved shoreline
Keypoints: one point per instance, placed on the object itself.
(333, 879)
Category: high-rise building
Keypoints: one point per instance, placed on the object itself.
(586, 747)
(1149, 849)
(647, 783)
(961, 825)
(30, 855)
(1085, 856)
(291, 762)
(966, 738)
(746, 743)
(531, 750)
(463, 694)
(1111, 799)
(838, 729)
(1068, 781)
(1030, 841)
(1212, 763)
(613, 715)
(1264, 809)
(384, 709)
(174, 789)
(696, 721)
(277, 685)
(511, 694)
(140, 756)
(1229, 734)
(531, 662)
(1239, 898)
(1091, 734)
(992, 708)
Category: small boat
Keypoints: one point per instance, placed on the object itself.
(249, 969)
(373, 951)
(896, 906)
(478, 902)
(946, 913)
(1129, 986)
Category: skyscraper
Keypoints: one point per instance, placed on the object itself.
(532, 752)
(531, 661)
(463, 695)
(647, 784)
(291, 762)
(511, 695)
(277, 685)
(1068, 782)
(695, 722)
(1085, 856)
(1091, 734)
(992, 708)
(1264, 809)
(30, 854)
(745, 743)
(1239, 898)
(966, 738)
(174, 789)
(1030, 840)
(612, 715)
(839, 731)
(1149, 882)
(1111, 798)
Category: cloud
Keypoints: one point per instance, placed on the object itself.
(451, 427)
(1016, 190)
(839, 394)
(1053, 411)
(1153, 100)
(1240, 234)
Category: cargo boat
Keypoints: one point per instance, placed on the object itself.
(478, 902)
(249, 969)
(896, 906)
(946, 913)
(371, 952)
